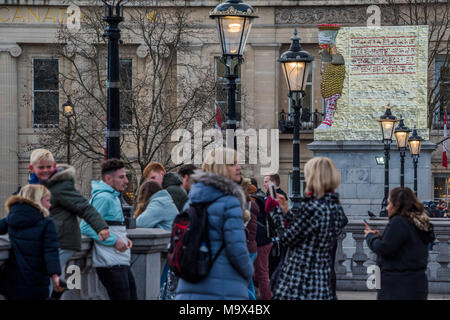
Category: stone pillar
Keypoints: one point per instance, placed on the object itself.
(146, 260)
(362, 186)
(9, 168)
(266, 82)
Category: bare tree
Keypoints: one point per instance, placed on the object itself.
(163, 90)
(436, 15)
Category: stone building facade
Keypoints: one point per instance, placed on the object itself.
(28, 29)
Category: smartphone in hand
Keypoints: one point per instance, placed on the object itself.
(273, 192)
(365, 222)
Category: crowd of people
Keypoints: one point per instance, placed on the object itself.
(263, 249)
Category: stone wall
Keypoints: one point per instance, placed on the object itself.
(147, 252)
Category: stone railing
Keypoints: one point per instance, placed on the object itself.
(353, 257)
(147, 262)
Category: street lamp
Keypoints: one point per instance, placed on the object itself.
(68, 112)
(234, 20)
(113, 18)
(415, 143)
(387, 123)
(401, 136)
(295, 64)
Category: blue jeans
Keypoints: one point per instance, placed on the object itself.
(251, 287)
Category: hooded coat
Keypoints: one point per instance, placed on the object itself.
(172, 183)
(231, 273)
(160, 212)
(106, 200)
(34, 251)
(402, 255)
(67, 205)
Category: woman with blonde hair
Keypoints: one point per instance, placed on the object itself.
(310, 234)
(217, 185)
(34, 255)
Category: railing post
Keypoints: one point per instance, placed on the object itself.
(340, 269)
(443, 272)
(359, 257)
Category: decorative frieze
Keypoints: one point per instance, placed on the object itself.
(345, 15)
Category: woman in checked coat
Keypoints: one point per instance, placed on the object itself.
(311, 236)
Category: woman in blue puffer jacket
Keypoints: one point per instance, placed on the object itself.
(231, 273)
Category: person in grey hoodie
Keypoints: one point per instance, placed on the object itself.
(111, 257)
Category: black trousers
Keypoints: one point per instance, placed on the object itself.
(119, 282)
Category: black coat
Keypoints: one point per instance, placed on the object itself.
(34, 251)
(402, 257)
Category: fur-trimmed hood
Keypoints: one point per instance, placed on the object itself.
(63, 172)
(23, 212)
(222, 184)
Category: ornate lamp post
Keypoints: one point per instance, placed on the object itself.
(113, 16)
(234, 21)
(387, 122)
(415, 143)
(68, 112)
(295, 64)
(401, 136)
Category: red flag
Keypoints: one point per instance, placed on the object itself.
(444, 144)
(218, 118)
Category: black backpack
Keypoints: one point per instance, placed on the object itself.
(189, 255)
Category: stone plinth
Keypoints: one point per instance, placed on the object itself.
(362, 187)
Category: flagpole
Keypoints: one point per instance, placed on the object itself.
(444, 144)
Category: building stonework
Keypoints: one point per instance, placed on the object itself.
(29, 30)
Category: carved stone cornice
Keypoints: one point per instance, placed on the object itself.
(13, 48)
(312, 15)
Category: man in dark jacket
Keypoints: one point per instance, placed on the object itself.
(67, 204)
(170, 181)
(185, 172)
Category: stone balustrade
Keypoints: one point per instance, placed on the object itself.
(352, 259)
(353, 256)
(147, 261)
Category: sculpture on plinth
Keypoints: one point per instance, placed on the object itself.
(332, 71)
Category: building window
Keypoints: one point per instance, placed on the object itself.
(441, 186)
(126, 93)
(45, 92)
(221, 92)
(441, 71)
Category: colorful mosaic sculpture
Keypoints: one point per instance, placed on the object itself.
(333, 71)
